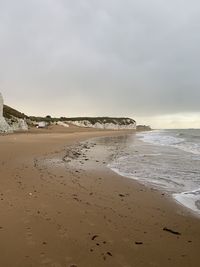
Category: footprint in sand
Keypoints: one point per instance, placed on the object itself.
(29, 237)
(50, 263)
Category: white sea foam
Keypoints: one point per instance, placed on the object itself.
(189, 147)
(190, 199)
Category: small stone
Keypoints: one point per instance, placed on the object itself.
(138, 243)
(94, 237)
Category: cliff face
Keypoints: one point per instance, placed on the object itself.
(11, 120)
(17, 124)
(105, 123)
(4, 126)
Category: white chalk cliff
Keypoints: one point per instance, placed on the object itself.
(17, 124)
(115, 124)
(4, 126)
(12, 124)
(61, 123)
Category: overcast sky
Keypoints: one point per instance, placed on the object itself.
(137, 58)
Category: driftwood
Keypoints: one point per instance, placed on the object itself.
(171, 231)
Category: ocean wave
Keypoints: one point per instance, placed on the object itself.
(163, 138)
(160, 138)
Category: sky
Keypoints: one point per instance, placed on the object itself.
(130, 58)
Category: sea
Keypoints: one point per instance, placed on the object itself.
(168, 160)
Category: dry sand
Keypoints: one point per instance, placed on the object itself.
(55, 215)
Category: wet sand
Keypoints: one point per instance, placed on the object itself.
(60, 214)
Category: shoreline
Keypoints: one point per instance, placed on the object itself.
(166, 194)
(170, 143)
(58, 215)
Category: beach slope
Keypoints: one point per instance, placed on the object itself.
(55, 214)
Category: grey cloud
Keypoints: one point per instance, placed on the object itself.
(100, 57)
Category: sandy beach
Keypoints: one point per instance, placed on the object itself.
(61, 206)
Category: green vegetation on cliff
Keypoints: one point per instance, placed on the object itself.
(9, 112)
